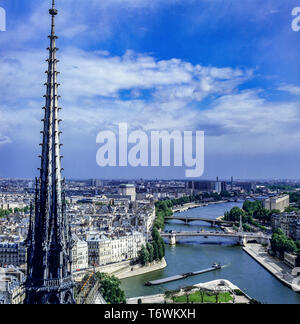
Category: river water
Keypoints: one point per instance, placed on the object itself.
(192, 254)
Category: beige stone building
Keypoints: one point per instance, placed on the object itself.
(105, 250)
(279, 202)
(80, 256)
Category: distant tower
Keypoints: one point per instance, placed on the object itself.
(49, 261)
(218, 186)
(231, 183)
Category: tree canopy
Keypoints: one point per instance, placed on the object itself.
(281, 243)
(110, 289)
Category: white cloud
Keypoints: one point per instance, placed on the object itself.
(293, 89)
(91, 74)
(250, 124)
(4, 140)
(160, 94)
(91, 85)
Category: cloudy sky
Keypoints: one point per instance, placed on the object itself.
(226, 67)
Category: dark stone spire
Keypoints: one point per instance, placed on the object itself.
(49, 278)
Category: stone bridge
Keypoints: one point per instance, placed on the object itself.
(213, 222)
(241, 237)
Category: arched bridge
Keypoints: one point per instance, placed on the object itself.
(241, 237)
(213, 222)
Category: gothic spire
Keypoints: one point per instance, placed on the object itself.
(50, 242)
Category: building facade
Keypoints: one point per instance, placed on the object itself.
(289, 223)
(106, 250)
(128, 190)
(12, 254)
(280, 203)
(12, 289)
(247, 186)
(295, 229)
(206, 186)
(80, 255)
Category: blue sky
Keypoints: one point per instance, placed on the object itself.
(227, 67)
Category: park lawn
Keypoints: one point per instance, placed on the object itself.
(196, 297)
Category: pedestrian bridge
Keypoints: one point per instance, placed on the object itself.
(213, 222)
(241, 237)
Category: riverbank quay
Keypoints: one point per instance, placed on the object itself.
(122, 270)
(242, 269)
(275, 266)
(188, 206)
(237, 296)
(137, 270)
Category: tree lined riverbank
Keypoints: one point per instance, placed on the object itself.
(138, 270)
(197, 253)
(276, 267)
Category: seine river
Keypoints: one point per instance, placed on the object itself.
(193, 254)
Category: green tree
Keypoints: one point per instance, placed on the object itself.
(279, 231)
(5, 212)
(251, 206)
(110, 289)
(150, 250)
(144, 256)
(160, 246)
(274, 211)
(262, 214)
(281, 243)
(155, 234)
(155, 251)
(162, 243)
(225, 194)
(291, 209)
(235, 214)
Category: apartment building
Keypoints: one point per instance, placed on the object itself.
(105, 249)
(12, 254)
(80, 256)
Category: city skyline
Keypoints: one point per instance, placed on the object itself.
(245, 96)
(146, 116)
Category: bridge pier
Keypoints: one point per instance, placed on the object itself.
(172, 240)
(242, 240)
